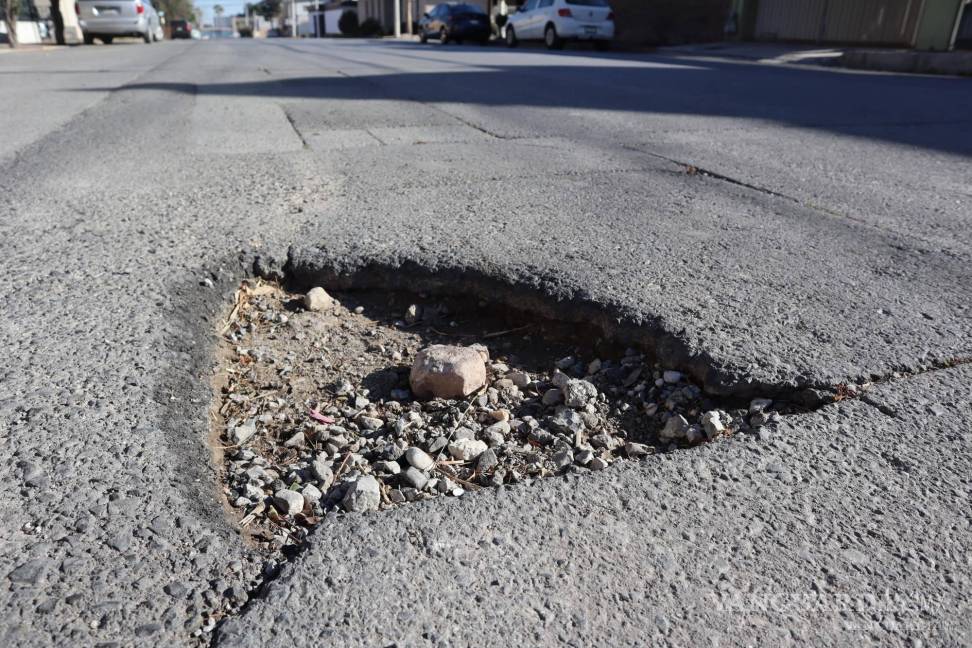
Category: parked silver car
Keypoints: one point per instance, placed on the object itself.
(105, 19)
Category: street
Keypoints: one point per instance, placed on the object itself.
(768, 229)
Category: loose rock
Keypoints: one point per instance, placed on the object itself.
(441, 371)
(418, 459)
(317, 299)
(363, 495)
(288, 502)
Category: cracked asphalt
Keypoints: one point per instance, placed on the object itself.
(771, 227)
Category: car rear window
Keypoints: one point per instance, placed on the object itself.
(466, 9)
(588, 3)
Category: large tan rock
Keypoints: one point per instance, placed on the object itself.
(317, 299)
(442, 371)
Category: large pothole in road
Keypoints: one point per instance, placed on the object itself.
(316, 414)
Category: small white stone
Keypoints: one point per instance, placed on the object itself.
(321, 467)
(390, 467)
(759, 405)
(363, 495)
(312, 494)
(418, 458)
(520, 378)
(467, 449)
(597, 464)
(712, 423)
(288, 502)
(296, 441)
(317, 299)
(675, 428)
(672, 377)
(415, 478)
(578, 393)
(242, 433)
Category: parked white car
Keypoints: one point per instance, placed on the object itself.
(105, 19)
(556, 21)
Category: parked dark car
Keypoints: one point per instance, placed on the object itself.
(181, 29)
(456, 23)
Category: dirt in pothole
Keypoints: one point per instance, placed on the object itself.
(315, 413)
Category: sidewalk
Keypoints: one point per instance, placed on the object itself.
(30, 47)
(885, 60)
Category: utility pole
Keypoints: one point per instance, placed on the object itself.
(398, 18)
(408, 16)
(293, 18)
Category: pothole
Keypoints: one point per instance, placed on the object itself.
(315, 415)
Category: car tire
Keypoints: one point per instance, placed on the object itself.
(88, 39)
(147, 37)
(510, 36)
(443, 36)
(423, 37)
(602, 45)
(551, 39)
(107, 39)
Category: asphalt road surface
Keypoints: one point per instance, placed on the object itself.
(770, 228)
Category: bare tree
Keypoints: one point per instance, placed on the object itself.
(10, 10)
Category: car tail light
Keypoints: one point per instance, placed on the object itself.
(610, 15)
(139, 8)
(564, 13)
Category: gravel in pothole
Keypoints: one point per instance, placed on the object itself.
(317, 412)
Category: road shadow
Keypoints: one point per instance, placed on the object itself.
(930, 112)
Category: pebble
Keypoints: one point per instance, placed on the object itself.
(520, 378)
(317, 299)
(672, 377)
(370, 423)
(487, 461)
(583, 457)
(413, 313)
(636, 449)
(418, 459)
(312, 494)
(675, 428)
(467, 449)
(442, 371)
(296, 441)
(552, 396)
(562, 459)
(415, 477)
(597, 464)
(759, 405)
(321, 468)
(567, 421)
(363, 495)
(288, 502)
(712, 423)
(578, 393)
(390, 467)
(242, 433)
(593, 367)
